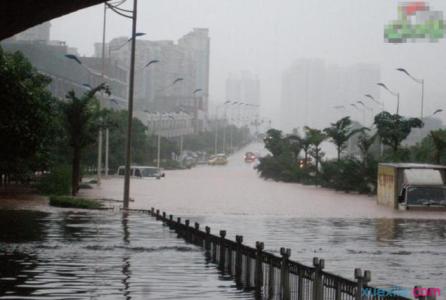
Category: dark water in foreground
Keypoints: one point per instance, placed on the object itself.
(107, 255)
(85, 255)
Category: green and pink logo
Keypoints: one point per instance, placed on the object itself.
(416, 23)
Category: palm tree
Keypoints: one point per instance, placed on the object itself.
(315, 137)
(340, 132)
(81, 123)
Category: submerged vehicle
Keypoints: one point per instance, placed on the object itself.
(412, 186)
(218, 159)
(142, 172)
(250, 157)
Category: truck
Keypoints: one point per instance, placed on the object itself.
(404, 186)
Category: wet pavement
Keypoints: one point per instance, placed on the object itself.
(101, 255)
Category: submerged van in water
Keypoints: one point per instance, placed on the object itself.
(412, 186)
(142, 172)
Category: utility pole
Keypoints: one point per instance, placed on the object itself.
(106, 130)
(130, 110)
(158, 155)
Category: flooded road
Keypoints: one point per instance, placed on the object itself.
(102, 255)
(105, 256)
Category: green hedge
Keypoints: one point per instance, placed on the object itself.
(68, 201)
(57, 182)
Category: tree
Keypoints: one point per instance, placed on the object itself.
(26, 116)
(340, 132)
(81, 123)
(315, 137)
(365, 142)
(393, 129)
(439, 141)
(274, 142)
(294, 142)
(305, 143)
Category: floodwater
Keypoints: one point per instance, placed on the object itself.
(105, 255)
(101, 255)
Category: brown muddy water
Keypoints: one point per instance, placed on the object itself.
(63, 254)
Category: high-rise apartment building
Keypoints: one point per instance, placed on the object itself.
(186, 63)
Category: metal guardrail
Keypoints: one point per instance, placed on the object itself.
(273, 277)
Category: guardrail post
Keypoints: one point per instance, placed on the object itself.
(196, 238)
(285, 274)
(318, 285)
(207, 242)
(214, 251)
(170, 221)
(187, 231)
(362, 281)
(221, 262)
(178, 228)
(157, 214)
(238, 259)
(258, 275)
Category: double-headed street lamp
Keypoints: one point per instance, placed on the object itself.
(396, 94)
(419, 81)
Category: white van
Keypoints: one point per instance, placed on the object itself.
(142, 172)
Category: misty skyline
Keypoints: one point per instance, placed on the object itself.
(267, 37)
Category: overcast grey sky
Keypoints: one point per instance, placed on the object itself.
(266, 36)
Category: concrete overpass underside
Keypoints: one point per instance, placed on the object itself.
(19, 15)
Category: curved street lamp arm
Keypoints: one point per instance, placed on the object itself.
(420, 81)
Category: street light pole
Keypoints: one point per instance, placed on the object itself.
(422, 98)
(224, 125)
(158, 151)
(419, 81)
(397, 94)
(100, 130)
(130, 110)
(216, 136)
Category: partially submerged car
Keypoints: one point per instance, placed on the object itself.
(142, 172)
(218, 159)
(250, 157)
